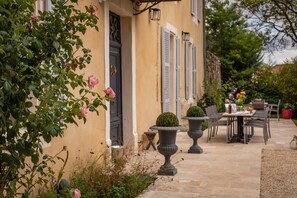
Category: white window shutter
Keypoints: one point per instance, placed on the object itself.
(187, 70)
(48, 5)
(194, 71)
(43, 5)
(199, 9)
(178, 105)
(165, 69)
(193, 7)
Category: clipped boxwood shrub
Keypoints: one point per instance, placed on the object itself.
(195, 111)
(167, 119)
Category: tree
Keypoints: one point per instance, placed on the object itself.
(276, 17)
(286, 81)
(228, 37)
(39, 58)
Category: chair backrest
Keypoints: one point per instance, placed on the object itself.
(214, 108)
(267, 114)
(258, 104)
(209, 111)
(279, 103)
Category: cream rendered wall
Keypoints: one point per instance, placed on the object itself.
(175, 15)
(88, 138)
(144, 102)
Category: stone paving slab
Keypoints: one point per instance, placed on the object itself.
(222, 170)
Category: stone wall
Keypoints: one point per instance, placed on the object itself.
(213, 68)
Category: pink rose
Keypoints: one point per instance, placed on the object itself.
(92, 81)
(84, 111)
(94, 13)
(35, 18)
(76, 193)
(110, 93)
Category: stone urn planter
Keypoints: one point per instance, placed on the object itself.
(195, 117)
(167, 125)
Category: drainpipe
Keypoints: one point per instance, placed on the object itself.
(204, 41)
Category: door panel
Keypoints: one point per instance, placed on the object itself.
(115, 70)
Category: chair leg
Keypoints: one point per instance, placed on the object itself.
(265, 135)
(269, 133)
(216, 131)
(209, 132)
(229, 131)
(244, 132)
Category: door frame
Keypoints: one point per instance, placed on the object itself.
(130, 134)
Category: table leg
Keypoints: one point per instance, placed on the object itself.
(239, 136)
(240, 126)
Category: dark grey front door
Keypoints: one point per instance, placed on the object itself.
(116, 122)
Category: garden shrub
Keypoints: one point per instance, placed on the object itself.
(123, 177)
(167, 119)
(40, 55)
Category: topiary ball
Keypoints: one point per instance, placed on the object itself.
(167, 119)
(195, 111)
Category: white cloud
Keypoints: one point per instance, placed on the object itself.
(279, 57)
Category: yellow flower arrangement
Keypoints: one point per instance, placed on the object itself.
(240, 98)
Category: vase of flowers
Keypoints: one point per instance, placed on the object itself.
(240, 99)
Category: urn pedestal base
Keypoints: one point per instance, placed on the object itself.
(167, 169)
(195, 149)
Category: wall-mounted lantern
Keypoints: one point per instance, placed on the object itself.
(185, 36)
(155, 14)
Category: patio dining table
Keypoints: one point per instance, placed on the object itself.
(240, 115)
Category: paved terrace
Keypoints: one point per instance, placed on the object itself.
(222, 170)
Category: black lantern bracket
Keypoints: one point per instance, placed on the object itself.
(137, 5)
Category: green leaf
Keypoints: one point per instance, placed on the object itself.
(96, 102)
(56, 44)
(7, 86)
(92, 109)
(34, 159)
(81, 91)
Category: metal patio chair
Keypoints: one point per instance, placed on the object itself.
(215, 121)
(276, 108)
(258, 122)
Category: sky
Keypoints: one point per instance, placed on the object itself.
(279, 57)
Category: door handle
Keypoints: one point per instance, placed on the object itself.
(113, 70)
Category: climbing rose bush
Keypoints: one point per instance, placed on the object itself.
(41, 92)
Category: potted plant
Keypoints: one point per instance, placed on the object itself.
(195, 117)
(287, 110)
(167, 125)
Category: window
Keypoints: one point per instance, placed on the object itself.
(196, 9)
(165, 70)
(42, 5)
(187, 69)
(170, 72)
(194, 71)
(190, 71)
